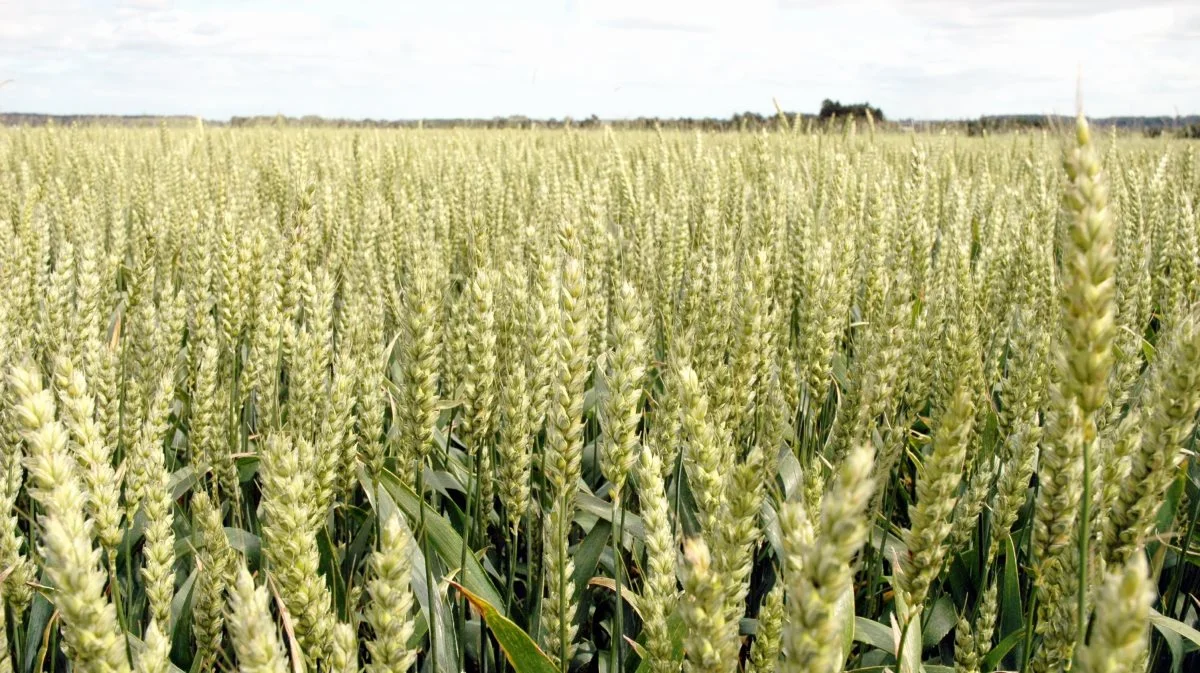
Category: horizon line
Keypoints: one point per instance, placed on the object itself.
(589, 118)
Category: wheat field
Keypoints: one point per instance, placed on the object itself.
(299, 400)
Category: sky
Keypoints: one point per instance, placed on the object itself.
(405, 59)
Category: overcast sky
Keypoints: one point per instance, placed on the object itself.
(613, 58)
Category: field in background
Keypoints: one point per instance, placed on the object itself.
(282, 399)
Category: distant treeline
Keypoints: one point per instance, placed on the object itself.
(739, 121)
(37, 119)
(1185, 127)
(833, 117)
(832, 109)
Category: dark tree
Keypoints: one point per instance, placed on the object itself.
(832, 108)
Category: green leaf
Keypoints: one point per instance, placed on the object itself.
(790, 473)
(628, 595)
(357, 549)
(1164, 624)
(770, 525)
(1170, 501)
(181, 605)
(1012, 611)
(1175, 645)
(246, 542)
(443, 482)
(843, 611)
(637, 648)
(587, 559)
(587, 555)
(941, 621)
(890, 545)
(437, 611)
(681, 488)
(331, 569)
(874, 634)
(635, 529)
(592, 396)
(247, 467)
(524, 654)
(675, 627)
(1147, 350)
(991, 661)
(181, 482)
(37, 631)
(841, 371)
(991, 432)
(444, 540)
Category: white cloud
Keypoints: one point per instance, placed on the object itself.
(924, 58)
